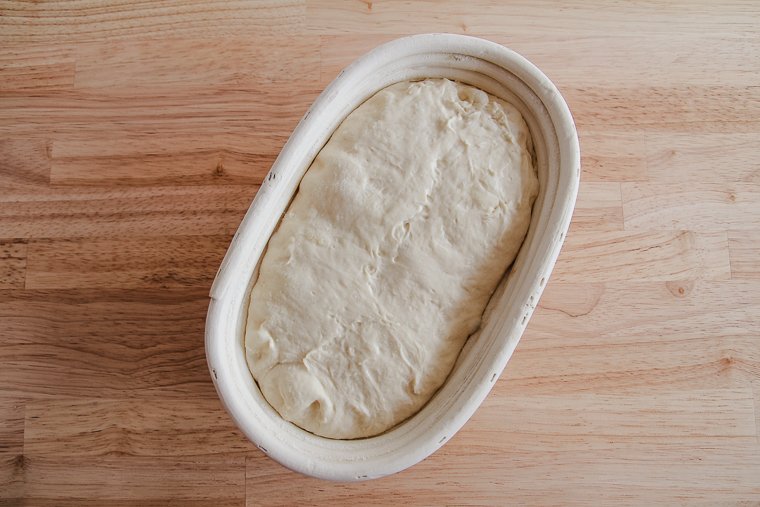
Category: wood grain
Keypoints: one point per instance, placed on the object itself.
(658, 416)
(635, 366)
(599, 207)
(26, 164)
(165, 159)
(63, 212)
(614, 156)
(696, 206)
(582, 17)
(78, 428)
(680, 107)
(127, 263)
(704, 158)
(38, 68)
(606, 256)
(567, 471)
(583, 61)
(744, 247)
(13, 255)
(129, 480)
(677, 310)
(104, 343)
(93, 20)
(242, 62)
(262, 113)
(11, 448)
(133, 137)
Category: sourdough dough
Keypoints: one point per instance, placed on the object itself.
(383, 263)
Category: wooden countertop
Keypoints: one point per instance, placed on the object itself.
(134, 135)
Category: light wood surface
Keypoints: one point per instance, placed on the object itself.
(134, 135)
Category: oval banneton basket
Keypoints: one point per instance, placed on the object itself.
(470, 60)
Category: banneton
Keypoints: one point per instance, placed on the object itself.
(479, 63)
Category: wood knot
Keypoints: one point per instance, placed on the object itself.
(20, 462)
(731, 197)
(680, 289)
(219, 170)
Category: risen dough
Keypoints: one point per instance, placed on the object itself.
(382, 265)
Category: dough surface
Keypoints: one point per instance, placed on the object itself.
(382, 266)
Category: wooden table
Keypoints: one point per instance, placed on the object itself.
(133, 137)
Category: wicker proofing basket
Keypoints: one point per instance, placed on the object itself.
(470, 60)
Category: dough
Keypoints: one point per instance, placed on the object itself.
(383, 264)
